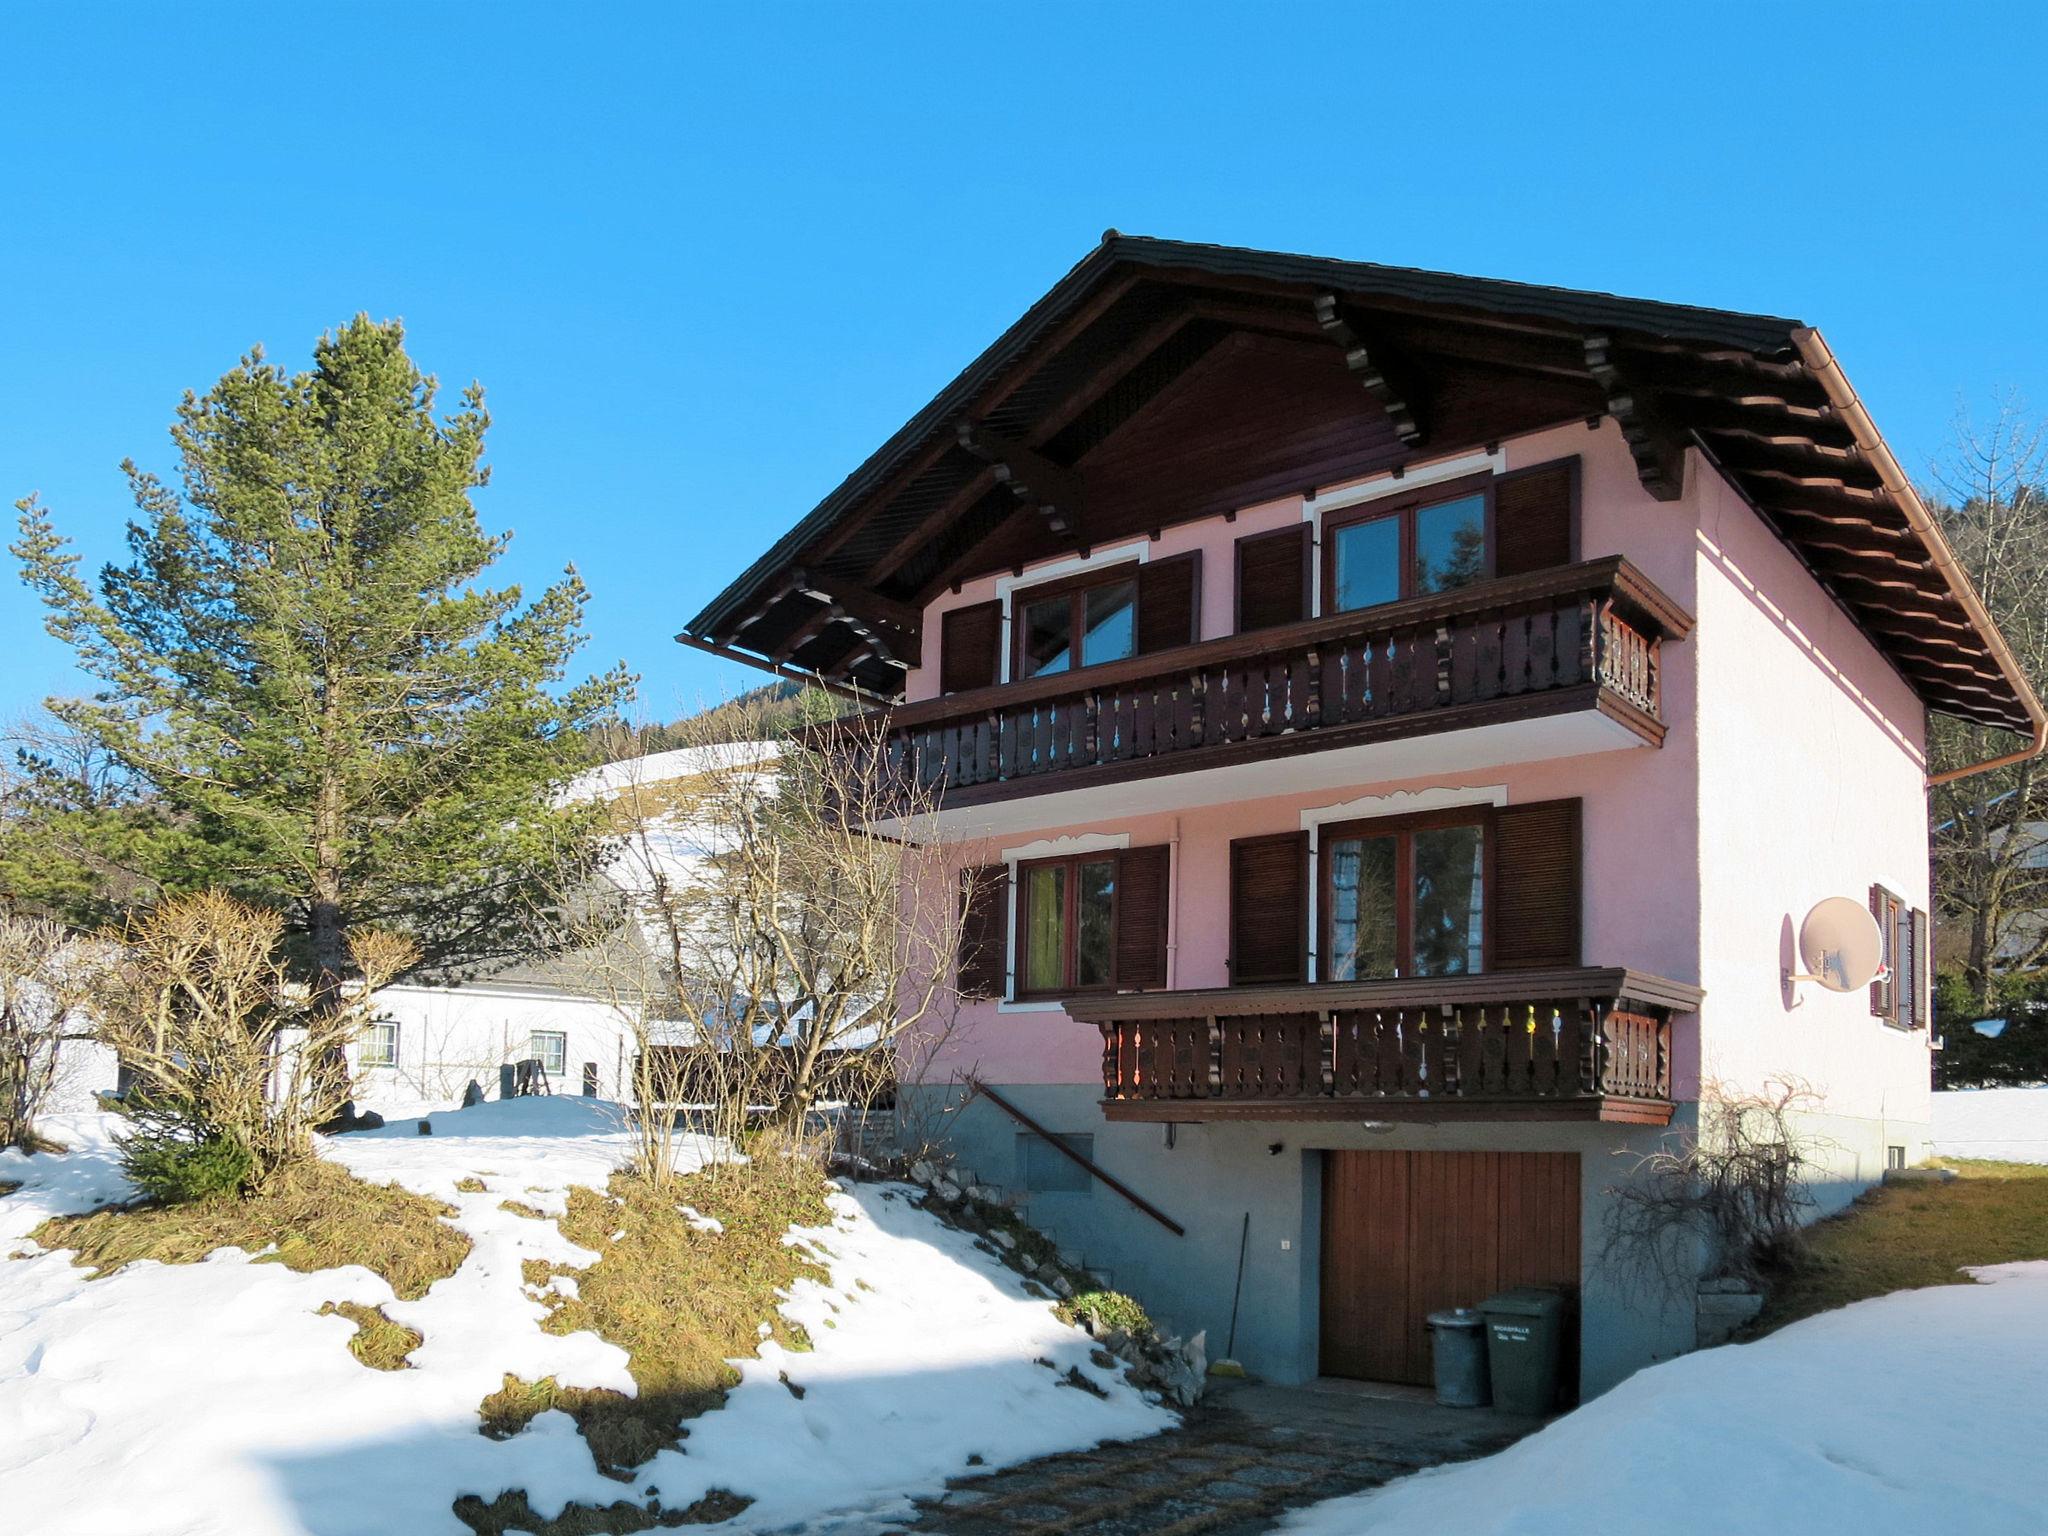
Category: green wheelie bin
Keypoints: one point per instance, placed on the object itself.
(1525, 1332)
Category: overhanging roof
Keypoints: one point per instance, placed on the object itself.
(1445, 362)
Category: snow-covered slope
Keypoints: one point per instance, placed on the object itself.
(173, 1400)
(1917, 1412)
(2009, 1124)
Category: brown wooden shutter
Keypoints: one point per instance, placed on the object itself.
(1908, 940)
(984, 904)
(1884, 990)
(1269, 909)
(1535, 894)
(1169, 602)
(970, 640)
(1141, 897)
(1535, 518)
(1917, 951)
(1272, 578)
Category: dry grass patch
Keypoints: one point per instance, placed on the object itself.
(680, 1301)
(379, 1343)
(7, 1187)
(470, 1186)
(511, 1512)
(1899, 1237)
(317, 1216)
(521, 1208)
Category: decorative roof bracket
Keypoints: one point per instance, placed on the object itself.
(1375, 366)
(1053, 491)
(1658, 450)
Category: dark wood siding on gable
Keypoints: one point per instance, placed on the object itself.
(1256, 418)
(984, 914)
(1272, 578)
(1536, 518)
(1142, 893)
(1169, 602)
(970, 642)
(1269, 909)
(1535, 888)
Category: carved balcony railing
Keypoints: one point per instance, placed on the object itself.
(1591, 1043)
(1585, 636)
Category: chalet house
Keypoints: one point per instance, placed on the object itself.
(1393, 725)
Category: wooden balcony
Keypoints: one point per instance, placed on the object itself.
(1584, 1044)
(1579, 637)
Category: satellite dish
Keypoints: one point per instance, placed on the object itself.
(1840, 946)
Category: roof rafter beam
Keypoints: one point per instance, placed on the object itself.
(803, 634)
(856, 599)
(1111, 373)
(1657, 449)
(1376, 366)
(1000, 389)
(1051, 490)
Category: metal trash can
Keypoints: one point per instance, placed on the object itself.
(1525, 1346)
(1457, 1341)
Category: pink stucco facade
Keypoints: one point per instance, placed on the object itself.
(1791, 770)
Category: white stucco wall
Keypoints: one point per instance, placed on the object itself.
(451, 1036)
(1811, 784)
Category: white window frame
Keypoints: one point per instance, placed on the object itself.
(533, 1040)
(371, 1031)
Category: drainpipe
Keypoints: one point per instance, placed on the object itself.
(1820, 361)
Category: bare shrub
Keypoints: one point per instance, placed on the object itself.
(46, 981)
(221, 1042)
(1726, 1199)
(775, 952)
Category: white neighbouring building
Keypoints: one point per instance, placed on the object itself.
(429, 1043)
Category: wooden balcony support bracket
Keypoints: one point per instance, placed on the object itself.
(1376, 366)
(1052, 490)
(1658, 449)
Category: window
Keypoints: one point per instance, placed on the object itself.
(1404, 897)
(379, 1046)
(1076, 624)
(1894, 1158)
(550, 1047)
(1888, 908)
(1044, 1170)
(1066, 924)
(1408, 546)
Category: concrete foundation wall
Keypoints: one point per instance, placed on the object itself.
(1215, 1174)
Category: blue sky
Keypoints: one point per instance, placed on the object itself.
(705, 259)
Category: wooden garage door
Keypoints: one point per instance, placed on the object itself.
(1408, 1233)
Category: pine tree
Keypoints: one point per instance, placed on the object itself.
(324, 713)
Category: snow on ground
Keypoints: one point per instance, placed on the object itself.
(176, 1400)
(2009, 1124)
(1893, 1417)
(56, 1186)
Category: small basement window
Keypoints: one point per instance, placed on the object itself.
(1894, 1158)
(550, 1047)
(379, 1046)
(1044, 1170)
